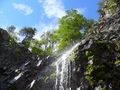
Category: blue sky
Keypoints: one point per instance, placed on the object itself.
(42, 14)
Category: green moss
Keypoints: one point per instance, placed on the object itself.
(89, 69)
(49, 77)
(117, 48)
(111, 5)
(45, 79)
(88, 53)
(52, 76)
(100, 42)
(117, 62)
(90, 57)
(72, 56)
(102, 88)
(12, 42)
(90, 80)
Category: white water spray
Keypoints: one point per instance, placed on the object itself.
(62, 75)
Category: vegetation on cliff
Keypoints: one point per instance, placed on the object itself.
(96, 61)
(97, 57)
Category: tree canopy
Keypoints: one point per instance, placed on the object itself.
(70, 31)
(28, 32)
(70, 28)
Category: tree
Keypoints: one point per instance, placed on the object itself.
(36, 48)
(28, 32)
(11, 29)
(44, 46)
(13, 34)
(48, 40)
(69, 29)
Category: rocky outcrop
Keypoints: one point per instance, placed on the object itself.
(20, 69)
(4, 36)
(97, 59)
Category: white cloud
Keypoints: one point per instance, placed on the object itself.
(25, 9)
(53, 8)
(81, 10)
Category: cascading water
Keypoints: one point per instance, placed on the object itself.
(62, 71)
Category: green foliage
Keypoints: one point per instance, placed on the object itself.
(63, 44)
(66, 35)
(51, 76)
(48, 41)
(12, 33)
(27, 32)
(111, 5)
(72, 56)
(88, 53)
(11, 29)
(108, 5)
(99, 63)
(117, 62)
(69, 29)
(36, 48)
(70, 25)
(49, 38)
(103, 70)
(12, 42)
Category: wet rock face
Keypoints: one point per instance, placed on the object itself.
(97, 60)
(20, 69)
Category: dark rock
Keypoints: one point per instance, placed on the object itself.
(18, 67)
(4, 36)
(97, 60)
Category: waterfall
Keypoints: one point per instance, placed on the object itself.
(62, 71)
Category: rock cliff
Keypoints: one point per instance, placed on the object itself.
(97, 59)
(19, 68)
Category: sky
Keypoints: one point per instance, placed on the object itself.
(42, 14)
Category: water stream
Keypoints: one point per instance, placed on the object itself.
(62, 71)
